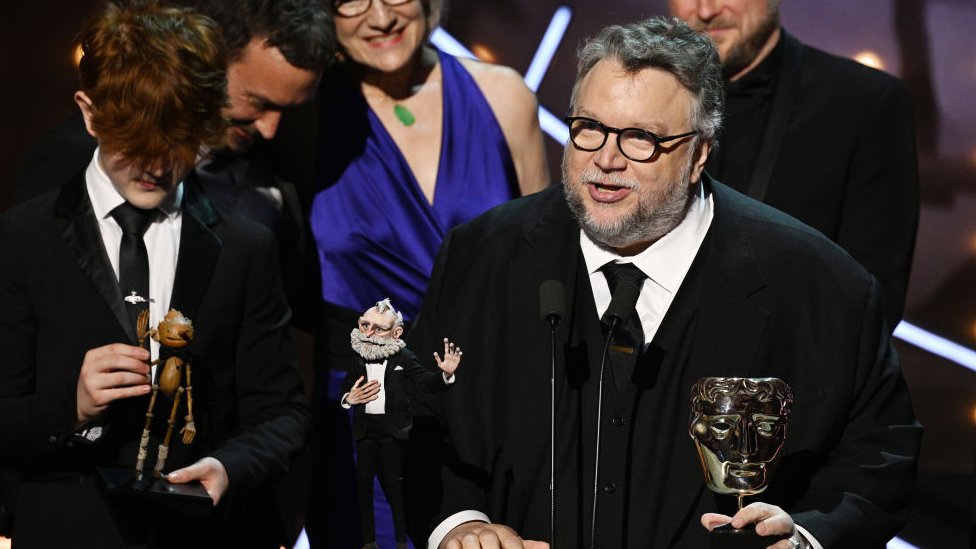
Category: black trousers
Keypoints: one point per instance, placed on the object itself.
(380, 455)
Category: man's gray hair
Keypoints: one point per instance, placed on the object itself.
(385, 305)
(666, 43)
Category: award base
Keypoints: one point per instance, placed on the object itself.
(726, 537)
(191, 499)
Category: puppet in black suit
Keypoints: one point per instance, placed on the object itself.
(381, 410)
(72, 381)
(825, 139)
(759, 294)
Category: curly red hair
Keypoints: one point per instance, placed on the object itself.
(156, 77)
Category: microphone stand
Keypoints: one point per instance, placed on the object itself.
(553, 319)
(615, 321)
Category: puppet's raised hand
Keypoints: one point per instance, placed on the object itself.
(452, 357)
(361, 394)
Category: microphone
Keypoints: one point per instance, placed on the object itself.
(552, 307)
(551, 304)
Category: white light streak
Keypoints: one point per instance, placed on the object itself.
(937, 345)
(547, 47)
(898, 543)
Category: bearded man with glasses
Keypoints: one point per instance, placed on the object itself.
(724, 286)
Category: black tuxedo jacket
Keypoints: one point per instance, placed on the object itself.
(772, 298)
(60, 298)
(838, 153)
(402, 370)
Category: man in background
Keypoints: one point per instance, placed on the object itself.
(825, 139)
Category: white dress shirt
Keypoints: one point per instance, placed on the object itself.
(665, 262)
(377, 371)
(162, 239)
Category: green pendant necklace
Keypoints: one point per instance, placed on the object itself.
(404, 115)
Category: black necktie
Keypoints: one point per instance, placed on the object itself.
(133, 258)
(628, 338)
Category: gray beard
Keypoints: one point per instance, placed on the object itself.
(654, 217)
(374, 348)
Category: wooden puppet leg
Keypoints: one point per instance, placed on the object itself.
(164, 447)
(144, 440)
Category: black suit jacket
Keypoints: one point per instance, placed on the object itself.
(838, 153)
(776, 299)
(402, 370)
(60, 298)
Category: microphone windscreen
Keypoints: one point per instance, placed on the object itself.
(551, 302)
(623, 301)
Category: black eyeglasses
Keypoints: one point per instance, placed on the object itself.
(353, 8)
(636, 144)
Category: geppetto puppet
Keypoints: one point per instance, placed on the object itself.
(376, 389)
(174, 333)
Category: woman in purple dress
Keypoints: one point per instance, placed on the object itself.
(412, 142)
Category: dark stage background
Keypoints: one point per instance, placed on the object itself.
(926, 42)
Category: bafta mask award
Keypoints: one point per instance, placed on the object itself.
(739, 428)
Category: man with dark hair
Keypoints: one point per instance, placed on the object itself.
(825, 139)
(277, 50)
(129, 236)
(667, 277)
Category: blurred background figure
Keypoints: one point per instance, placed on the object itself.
(822, 138)
(411, 142)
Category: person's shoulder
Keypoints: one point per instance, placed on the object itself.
(239, 227)
(35, 212)
(499, 83)
(515, 216)
(405, 356)
(492, 76)
(781, 239)
(235, 230)
(57, 156)
(848, 75)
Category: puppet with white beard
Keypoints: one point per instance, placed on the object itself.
(376, 390)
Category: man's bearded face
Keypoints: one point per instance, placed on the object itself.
(377, 336)
(739, 28)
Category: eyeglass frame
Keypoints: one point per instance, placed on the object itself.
(377, 329)
(607, 130)
(369, 4)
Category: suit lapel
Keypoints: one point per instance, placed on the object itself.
(83, 241)
(199, 251)
(780, 113)
(726, 339)
(549, 251)
(730, 320)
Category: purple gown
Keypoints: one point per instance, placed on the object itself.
(375, 233)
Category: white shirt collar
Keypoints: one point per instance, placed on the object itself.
(666, 261)
(105, 198)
